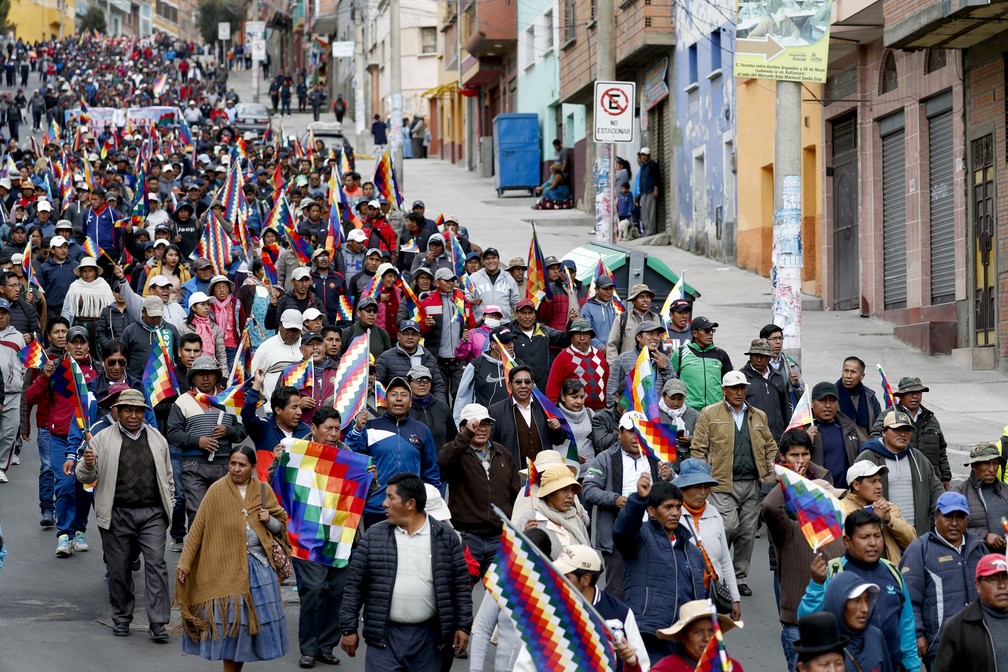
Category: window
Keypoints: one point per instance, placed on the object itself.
(936, 60)
(166, 11)
(428, 40)
(890, 78)
(715, 50)
(570, 18)
(692, 61)
(530, 46)
(548, 29)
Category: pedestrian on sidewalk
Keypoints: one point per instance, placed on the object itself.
(379, 132)
(317, 98)
(339, 108)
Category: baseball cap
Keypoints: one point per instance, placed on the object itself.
(626, 421)
(524, 303)
(201, 262)
(551, 261)
(644, 150)
(823, 390)
(63, 224)
(419, 371)
(418, 204)
(5, 305)
(471, 256)
(674, 386)
(311, 314)
(493, 309)
(502, 334)
(950, 502)
(444, 274)
(44, 206)
(734, 379)
(477, 412)
(153, 305)
(291, 319)
(373, 203)
(409, 324)
(680, 306)
(319, 252)
(991, 564)
(578, 556)
(357, 235)
(895, 419)
(367, 302)
(196, 298)
(604, 282)
(57, 241)
(701, 322)
(398, 381)
(300, 273)
(309, 336)
(160, 281)
(374, 250)
(436, 507)
(864, 469)
(647, 326)
(491, 252)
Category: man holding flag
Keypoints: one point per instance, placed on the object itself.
(12, 370)
(735, 439)
(647, 335)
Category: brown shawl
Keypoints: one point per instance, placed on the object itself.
(215, 558)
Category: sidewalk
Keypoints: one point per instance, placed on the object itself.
(972, 406)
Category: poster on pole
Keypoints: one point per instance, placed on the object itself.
(343, 49)
(782, 39)
(223, 31)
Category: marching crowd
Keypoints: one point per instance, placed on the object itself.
(475, 387)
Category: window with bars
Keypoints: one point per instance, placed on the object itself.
(570, 30)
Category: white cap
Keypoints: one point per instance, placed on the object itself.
(862, 588)
(477, 412)
(578, 556)
(5, 182)
(153, 197)
(626, 421)
(197, 297)
(357, 235)
(436, 507)
(645, 150)
(161, 242)
(57, 241)
(374, 203)
(160, 281)
(863, 469)
(734, 378)
(44, 206)
(311, 314)
(385, 268)
(300, 272)
(291, 319)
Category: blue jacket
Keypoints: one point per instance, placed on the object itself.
(601, 317)
(866, 648)
(100, 227)
(658, 577)
(893, 613)
(397, 445)
(191, 286)
(265, 432)
(56, 279)
(940, 581)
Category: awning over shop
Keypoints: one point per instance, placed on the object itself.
(441, 90)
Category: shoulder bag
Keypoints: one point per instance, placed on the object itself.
(281, 561)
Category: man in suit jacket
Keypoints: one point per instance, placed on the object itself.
(521, 425)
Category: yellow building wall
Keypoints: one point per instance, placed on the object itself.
(41, 19)
(756, 105)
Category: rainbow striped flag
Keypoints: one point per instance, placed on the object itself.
(344, 161)
(640, 389)
(26, 266)
(334, 236)
(323, 489)
(66, 187)
(344, 311)
(88, 174)
(678, 292)
(507, 363)
(185, 133)
(439, 222)
(352, 374)
(890, 398)
(657, 440)
(600, 270)
(455, 252)
(533, 476)
(551, 411)
(214, 243)
(819, 513)
(90, 247)
(410, 246)
(299, 375)
(159, 375)
(276, 179)
(230, 400)
(33, 355)
(715, 656)
(802, 414)
(467, 285)
(242, 368)
(270, 253)
(385, 182)
(86, 406)
(380, 397)
(160, 85)
(558, 626)
(282, 219)
(373, 289)
(537, 288)
(409, 297)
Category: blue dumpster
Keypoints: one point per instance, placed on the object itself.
(516, 152)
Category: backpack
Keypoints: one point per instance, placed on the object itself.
(339, 105)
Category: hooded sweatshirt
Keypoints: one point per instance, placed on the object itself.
(866, 647)
(911, 483)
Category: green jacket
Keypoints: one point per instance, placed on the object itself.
(702, 370)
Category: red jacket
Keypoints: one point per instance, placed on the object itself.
(380, 235)
(59, 410)
(432, 335)
(554, 312)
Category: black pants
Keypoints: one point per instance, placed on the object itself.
(320, 592)
(451, 372)
(129, 529)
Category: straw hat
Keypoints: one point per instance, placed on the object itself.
(556, 478)
(694, 611)
(87, 262)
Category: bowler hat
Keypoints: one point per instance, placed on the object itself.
(818, 633)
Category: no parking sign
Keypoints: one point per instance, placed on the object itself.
(614, 111)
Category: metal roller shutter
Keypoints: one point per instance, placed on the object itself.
(894, 211)
(941, 173)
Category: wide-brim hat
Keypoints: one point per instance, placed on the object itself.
(131, 397)
(760, 346)
(204, 364)
(691, 612)
(909, 384)
(580, 326)
(549, 458)
(984, 452)
(556, 478)
(87, 262)
(637, 290)
(693, 472)
(220, 278)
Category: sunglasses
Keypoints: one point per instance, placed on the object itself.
(707, 331)
(521, 382)
(115, 362)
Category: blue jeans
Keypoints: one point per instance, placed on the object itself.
(482, 549)
(231, 352)
(45, 479)
(178, 521)
(72, 500)
(788, 636)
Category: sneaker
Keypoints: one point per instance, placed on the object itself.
(79, 541)
(48, 519)
(3, 476)
(176, 545)
(158, 632)
(15, 459)
(63, 547)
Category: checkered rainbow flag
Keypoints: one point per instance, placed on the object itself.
(323, 490)
(559, 627)
(819, 513)
(352, 374)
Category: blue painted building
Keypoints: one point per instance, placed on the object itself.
(704, 217)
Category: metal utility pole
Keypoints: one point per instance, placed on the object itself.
(360, 116)
(605, 71)
(395, 83)
(787, 246)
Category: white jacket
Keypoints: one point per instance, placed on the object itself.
(715, 542)
(502, 293)
(272, 356)
(11, 342)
